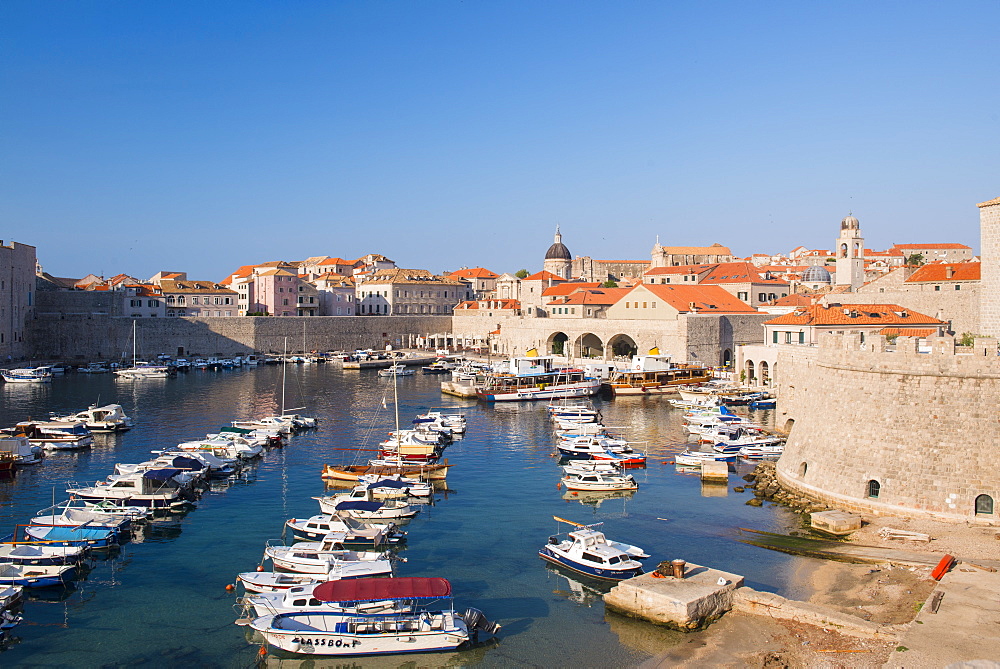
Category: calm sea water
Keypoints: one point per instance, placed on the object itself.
(162, 601)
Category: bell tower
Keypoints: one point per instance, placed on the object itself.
(850, 254)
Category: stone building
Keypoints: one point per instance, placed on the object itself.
(409, 291)
(482, 280)
(949, 252)
(588, 269)
(17, 297)
(668, 256)
(989, 249)
(744, 280)
(805, 324)
(198, 298)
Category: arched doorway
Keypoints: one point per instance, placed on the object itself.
(621, 346)
(751, 377)
(589, 346)
(727, 358)
(556, 344)
(765, 378)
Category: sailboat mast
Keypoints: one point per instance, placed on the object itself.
(284, 371)
(133, 343)
(395, 403)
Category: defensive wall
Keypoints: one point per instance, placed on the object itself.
(961, 307)
(100, 337)
(886, 430)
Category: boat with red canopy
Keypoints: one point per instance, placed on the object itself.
(409, 626)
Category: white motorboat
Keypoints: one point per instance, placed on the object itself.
(396, 370)
(761, 452)
(154, 488)
(277, 581)
(94, 368)
(300, 598)
(27, 553)
(108, 418)
(588, 551)
(395, 486)
(268, 423)
(698, 457)
(413, 629)
(599, 481)
(365, 508)
(21, 450)
(438, 420)
(35, 576)
(143, 370)
(54, 436)
(349, 532)
(323, 557)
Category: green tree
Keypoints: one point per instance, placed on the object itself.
(915, 259)
(610, 283)
(967, 339)
(521, 274)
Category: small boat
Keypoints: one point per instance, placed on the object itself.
(396, 370)
(428, 472)
(761, 452)
(350, 533)
(94, 368)
(277, 581)
(698, 457)
(144, 370)
(108, 418)
(588, 551)
(21, 450)
(387, 486)
(758, 405)
(54, 436)
(437, 420)
(30, 553)
(414, 629)
(362, 504)
(27, 375)
(328, 557)
(155, 488)
(599, 481)
(436, 368)
(299, 598)
(535, 378)
(36, 576)
(57, 535)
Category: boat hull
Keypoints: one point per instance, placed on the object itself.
(606, 574)
(542, 392)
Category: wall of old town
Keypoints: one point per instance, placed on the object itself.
(94, 337)
(961, 307)
(921, 426)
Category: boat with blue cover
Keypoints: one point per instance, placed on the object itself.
(587, 551)
(92, 537)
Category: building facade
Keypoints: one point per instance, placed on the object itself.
(17, 298)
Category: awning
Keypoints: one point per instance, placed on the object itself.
(236, 430)
(161, 474)
(389, 483)
(358, 505)
(370, 589)
(182, 462)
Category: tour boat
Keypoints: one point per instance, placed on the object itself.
(598, 481)
(108, 418)
(415, 628)
(588, 551)
(535, 378)
(349, 532)
(27, 375)
(656, 375)
(328, 557)
(36, 576)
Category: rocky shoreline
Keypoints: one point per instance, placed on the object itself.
(764, 482)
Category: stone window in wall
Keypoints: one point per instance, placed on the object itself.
(984, 505)
(874, 488)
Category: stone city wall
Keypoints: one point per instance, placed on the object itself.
(961, 307)
(96, 337)
(922, 426)
(989, 231)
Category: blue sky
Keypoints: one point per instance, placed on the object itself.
(199, 136)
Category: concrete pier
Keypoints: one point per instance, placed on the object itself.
(458, 389)
(687, 604)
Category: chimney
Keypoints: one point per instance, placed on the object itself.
(949, 272)
(691, 306)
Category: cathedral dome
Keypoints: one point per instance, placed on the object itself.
(558, 251)
(849, 223)
(816, 274)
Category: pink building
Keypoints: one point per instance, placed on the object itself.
(276, 292)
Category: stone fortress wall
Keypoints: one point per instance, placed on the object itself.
(923, 427)
(100, 337)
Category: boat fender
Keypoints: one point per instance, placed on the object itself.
(230, 587)
(260, 567)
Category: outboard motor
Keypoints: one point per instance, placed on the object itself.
(476, 622)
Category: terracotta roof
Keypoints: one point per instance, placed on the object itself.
(398, 275)
(706, 299)
(909, 332)
(863, 314)
(938, 271)
(738, 272)
(473, 273)
(276, 272)
(543, 276)
(335, 278)
(793, 300)
(489, 304)
(891, 252)
(679, 269)
(599, 296)
(911, 247)
(990, 203)
(188, 286)
(568, 287)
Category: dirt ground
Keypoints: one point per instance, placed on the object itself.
(886, 594)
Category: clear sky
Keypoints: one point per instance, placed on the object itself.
(199, 136)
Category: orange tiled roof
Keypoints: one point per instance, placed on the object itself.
(938, 271)
(336, 261)
(568, 287)
(909, 332)
(680, 269)
(543, 276)
(989, 203)
(863, 314)
(793, 300)
(599, 296)
(706, 299)
(473, 273)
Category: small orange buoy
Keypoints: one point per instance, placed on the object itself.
(575, 493)
(665, 462)
(262, 652)
(230, 587)
(559, 486)
(260, 567)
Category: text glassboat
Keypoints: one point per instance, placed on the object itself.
(535, 379)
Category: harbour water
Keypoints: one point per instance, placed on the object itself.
(161, 601)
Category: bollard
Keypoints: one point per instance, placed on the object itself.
(678, 568)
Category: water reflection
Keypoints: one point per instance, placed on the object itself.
(586, 592)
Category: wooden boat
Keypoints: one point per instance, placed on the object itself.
(656, 375)
(426, 472)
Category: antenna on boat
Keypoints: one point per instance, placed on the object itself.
(284, 371)
(395, 400)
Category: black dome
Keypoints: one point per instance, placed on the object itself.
(558, 251)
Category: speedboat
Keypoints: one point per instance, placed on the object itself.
(598, 481)
(54, 436)
(414, 629)
(349, 532)
(698, 457)
(396, 370)
(587, 551)
(155, 488)
(108, 418)
(327, 557)
(33, 554)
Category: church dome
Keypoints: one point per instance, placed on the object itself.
(849, 223)
(816, 274)
(558, 251)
